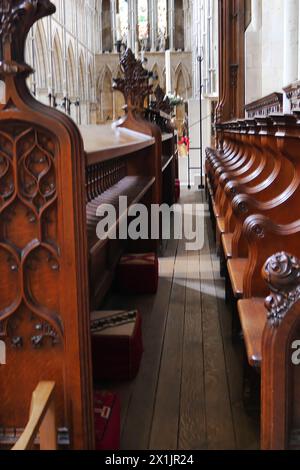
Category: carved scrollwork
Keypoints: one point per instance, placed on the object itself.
(17, 16)
(282, 274)
(162, 102)
(258, 230)
(243, 208)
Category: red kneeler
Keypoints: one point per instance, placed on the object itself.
(117, 344)
(138, 274)
(107, 418)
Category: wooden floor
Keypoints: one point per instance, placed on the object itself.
(188, 394)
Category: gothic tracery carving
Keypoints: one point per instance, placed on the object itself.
(27, 191)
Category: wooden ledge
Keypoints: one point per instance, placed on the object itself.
(236, 270)
(227, 244)
(253, 317)
(106, 142)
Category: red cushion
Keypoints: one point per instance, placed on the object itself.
(107, 417)
(177, 190)
(117, 344)
(138, 274)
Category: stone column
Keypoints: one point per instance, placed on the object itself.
(153, 24)
(113, 12)
(132, 24)
(171, 23)
(290, 45)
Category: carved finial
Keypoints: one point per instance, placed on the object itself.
(282, 274)
(135, 82)
(16, 19)
(162, 101)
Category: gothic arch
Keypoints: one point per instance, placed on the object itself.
(57, 64)
(119, 101)
(106, 71)
(71, 74)
(42, 68)
(90, 82)
(105, 93)
(82, 84)
(181, 89)
(182, 81)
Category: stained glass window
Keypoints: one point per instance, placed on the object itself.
(161, 23)
(143, 19)
(122, 21)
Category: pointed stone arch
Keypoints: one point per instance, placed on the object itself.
(181, 87)
(182, 82)
(41, 53)
(82, 81)
(105, 94)
(90, 81)
(57, 64)
(71, 72)
(119, 101)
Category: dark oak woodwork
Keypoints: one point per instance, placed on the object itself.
(54, 270)
(43, 245)
(270, 104)
(253, 189)
(232, 24)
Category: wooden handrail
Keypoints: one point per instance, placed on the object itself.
(42, 420)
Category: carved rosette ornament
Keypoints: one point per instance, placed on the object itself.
(134, 84)
(282, 274)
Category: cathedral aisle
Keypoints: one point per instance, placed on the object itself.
(189, 391)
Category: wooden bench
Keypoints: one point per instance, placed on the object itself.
(253, 190)
(53, 177)
(271, 330)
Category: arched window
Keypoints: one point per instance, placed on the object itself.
(122, 21)
(162, 24)
(107, 39)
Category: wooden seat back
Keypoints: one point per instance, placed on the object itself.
(44, 308)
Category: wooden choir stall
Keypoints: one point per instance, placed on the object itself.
(253, 190)
(54, 269)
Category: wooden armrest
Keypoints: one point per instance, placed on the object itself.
(253, 317)
(221, 224)
(227, 244)
(236, 269)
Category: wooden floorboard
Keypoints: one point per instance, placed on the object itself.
(188, 393)
(139, 418)
(219, 419)
(246, 426)
(192, 424)
(164, 432)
